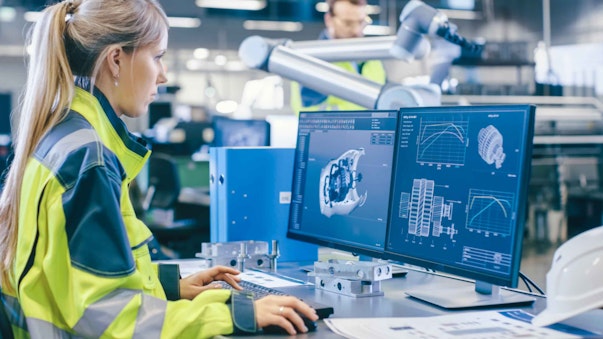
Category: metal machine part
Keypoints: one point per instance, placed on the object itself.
(337, 187)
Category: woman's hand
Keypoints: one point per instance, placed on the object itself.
(283, 311)
(194, 284)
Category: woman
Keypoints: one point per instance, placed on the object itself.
(75, 260)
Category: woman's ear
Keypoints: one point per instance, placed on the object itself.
(113, 59)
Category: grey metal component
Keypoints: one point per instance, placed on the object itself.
(323, 76)
(394, 96)
(372, 48)
(255, 51)
(416, 20)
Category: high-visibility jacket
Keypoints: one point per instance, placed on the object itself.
(82, 265)
(310, 100)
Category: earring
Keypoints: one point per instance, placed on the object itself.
(116, 82)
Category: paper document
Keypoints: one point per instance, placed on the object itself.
(268, 280)
(467, 325)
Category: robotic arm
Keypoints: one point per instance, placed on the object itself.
(306, 62)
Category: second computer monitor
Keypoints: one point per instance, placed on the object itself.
(459, 191)
(341, 179)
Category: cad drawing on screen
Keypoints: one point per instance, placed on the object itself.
(490, 146)
(339, 194)
(423, 209)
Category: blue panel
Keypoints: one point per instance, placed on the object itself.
(250, 189)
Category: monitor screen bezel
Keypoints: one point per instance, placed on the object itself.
(343, 246)
(510, 280)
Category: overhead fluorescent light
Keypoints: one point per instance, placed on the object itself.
(226, 106)
(31, 16)
(378, 30)
(323, 7)
(261, 25)
(182, 22)
(7, 14)
(201, 53)
(459, 14)
(12, 50)
(461, 4)
(246, 5)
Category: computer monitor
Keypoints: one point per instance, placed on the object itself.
(197, 135)
(159, 110)
(458, 198)
(341, 179)
(239, 132)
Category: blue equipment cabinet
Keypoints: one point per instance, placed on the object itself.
(250, 191)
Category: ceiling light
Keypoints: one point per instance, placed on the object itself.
(201, 53)
(377, 30)
(246, 5)
(227, 106)
(220, 60)
(286, 26)
(461, 4)
(458, 14)
(12, 51)
(32, 16)
(7, 14)
(182, 22)
(323, 7)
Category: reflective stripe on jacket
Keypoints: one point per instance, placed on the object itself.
(82, 265)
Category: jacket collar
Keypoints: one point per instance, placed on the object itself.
(131, 150)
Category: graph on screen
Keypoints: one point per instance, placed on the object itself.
(490, 211)
(442, 142)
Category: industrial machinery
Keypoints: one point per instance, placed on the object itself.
(307, 62)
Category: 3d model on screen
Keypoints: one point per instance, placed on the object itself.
(338, 194)
(490, 146)
(422, 209)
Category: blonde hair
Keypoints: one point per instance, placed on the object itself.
(70, 39)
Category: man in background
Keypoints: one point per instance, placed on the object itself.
(344, 19)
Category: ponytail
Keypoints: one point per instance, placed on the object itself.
(44, 102)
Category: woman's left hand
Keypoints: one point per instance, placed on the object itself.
(201, 281)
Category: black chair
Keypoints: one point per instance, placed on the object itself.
(163, 213)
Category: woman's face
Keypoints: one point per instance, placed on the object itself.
(140, 73)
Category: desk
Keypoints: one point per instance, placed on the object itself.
(395, 303)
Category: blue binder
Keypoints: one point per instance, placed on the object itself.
(250, 190)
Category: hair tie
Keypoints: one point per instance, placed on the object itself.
(71, 7)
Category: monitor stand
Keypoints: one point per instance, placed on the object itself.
(484, 295)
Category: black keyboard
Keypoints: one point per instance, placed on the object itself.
(259, 291)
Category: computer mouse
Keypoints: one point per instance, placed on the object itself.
(311, 325)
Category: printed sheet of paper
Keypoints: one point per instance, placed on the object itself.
(467, 325)
(268, 280)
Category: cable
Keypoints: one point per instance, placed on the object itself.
(528, 282)
(446, 32)
(525, 282)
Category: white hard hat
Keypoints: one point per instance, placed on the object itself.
(575, 281)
